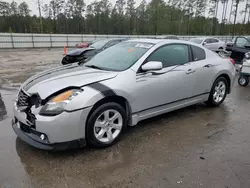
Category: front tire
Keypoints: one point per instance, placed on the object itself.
(106, 125)
(65, 60)
(218, 92)
(243, 81)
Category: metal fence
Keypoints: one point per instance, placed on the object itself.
(28, 40)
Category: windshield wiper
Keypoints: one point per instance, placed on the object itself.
(94, 67)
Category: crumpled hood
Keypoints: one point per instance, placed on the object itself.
(51, 81)
(76, 52)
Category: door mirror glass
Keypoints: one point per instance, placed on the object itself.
(204, 43)
(152, 66)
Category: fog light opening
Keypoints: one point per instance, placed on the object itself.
(42, 137)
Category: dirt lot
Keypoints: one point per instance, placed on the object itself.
(193, 147)
(19, 64)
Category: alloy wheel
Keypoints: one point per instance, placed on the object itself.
(242, 81)
(108, 126)
(219, 91)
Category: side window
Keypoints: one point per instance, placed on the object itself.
(214, 40)
(170, 55)
(208, 41)
(198, 53)
(241, 42)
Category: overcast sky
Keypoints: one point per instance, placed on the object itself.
(33, 6)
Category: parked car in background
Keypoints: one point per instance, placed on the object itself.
(166, 37)
(229, 45)
(85, 44)
(213, 44)
(171, 37)
(239, 46)
(93, 103)
(82, 54)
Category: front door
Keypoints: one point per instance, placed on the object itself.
(171, 84)
(239, 49)
(208, 44)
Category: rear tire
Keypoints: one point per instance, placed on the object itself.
(106, 125)
(243, 81)
(218, 92)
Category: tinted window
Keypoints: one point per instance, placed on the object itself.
(198, 53)
(175, 54)
(208, 41)
(99, 44)
(119, 57)
(197, 41)
(241, 42)
(214, 40)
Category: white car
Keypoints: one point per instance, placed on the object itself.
(213, 44)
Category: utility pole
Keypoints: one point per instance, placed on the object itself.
(40, 15)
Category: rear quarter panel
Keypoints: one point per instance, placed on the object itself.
(222, 66)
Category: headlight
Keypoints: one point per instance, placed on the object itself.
(247, 55)
(57, 104)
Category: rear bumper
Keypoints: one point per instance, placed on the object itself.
(32, 139)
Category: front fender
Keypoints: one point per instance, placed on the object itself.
(87, 98)
(93, 94)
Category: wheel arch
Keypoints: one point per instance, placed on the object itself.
(117, 99)
(224, 75)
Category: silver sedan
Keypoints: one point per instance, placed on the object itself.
(75, 105)
(213, 44)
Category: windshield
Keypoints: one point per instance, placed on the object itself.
(197, 41)
(99, 44)
(119, 57)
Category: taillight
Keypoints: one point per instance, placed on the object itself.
(232, 61)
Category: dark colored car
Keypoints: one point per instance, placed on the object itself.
(85, 44)
(81, 54)
(238, 47)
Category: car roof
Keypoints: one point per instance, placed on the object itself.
(153, 41)
(201, 38)
(116, 39)
(166, 41)
(156, 41)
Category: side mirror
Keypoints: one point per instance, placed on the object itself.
(247, 45)
(204, 43)
(152, 66)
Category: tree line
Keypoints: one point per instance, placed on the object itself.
(178, 17)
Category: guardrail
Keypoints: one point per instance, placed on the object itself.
(30, 40)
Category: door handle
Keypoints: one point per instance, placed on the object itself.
(208, 66)
(190, 71)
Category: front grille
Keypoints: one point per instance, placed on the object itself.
(22, 99)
